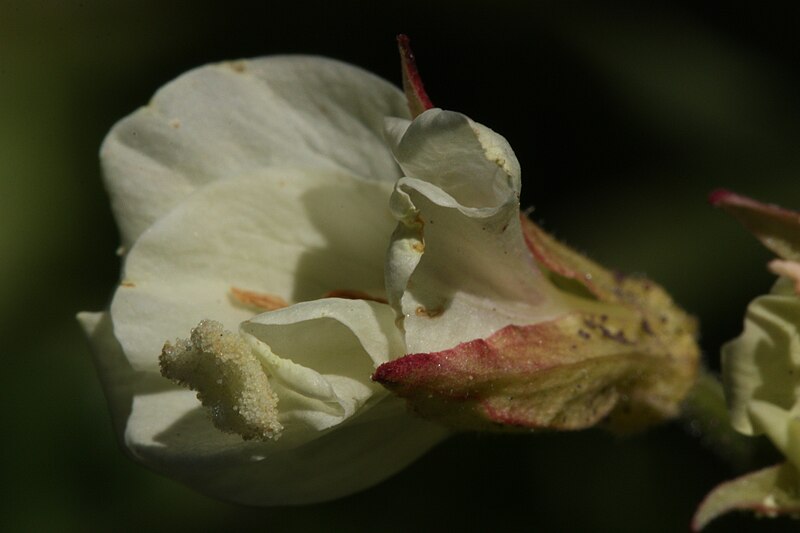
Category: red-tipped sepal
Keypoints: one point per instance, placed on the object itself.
(570, 373)
(777, 228)
(418, 100)
(625, 357)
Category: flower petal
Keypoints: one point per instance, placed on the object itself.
(292, 234)
(355, 456)
(458, 268)
(116, 375)
(166, 428)
(780, 425)
(473, 164)
(321, 355)
(232, 119)
(317, 356)
(763, 363)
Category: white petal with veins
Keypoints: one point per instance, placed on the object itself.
(290, 233)
(236, 119)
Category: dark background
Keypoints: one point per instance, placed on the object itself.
(623, 117)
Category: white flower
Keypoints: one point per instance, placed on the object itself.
(377, 245)
(269, 178)
(761, 369)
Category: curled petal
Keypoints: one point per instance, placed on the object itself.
(321, 355)
(506, 327)
(468, 161)
(763, 363)
(457, 268)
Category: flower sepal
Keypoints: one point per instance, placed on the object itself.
(624, 358)
(768, 492)
(777, 228)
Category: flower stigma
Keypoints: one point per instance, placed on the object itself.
(229, 378)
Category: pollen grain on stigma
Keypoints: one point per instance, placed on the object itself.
(229, 379)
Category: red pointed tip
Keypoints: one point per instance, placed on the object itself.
(404, 43)
(385, 373)
(396, 372)
(718, 196)
(418, 100)
(776, 227)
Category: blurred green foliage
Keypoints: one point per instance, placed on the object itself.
(623, 116)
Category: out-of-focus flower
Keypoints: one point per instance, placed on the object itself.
(761, 369)
(309, 233)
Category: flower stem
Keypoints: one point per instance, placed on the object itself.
(705, 415)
